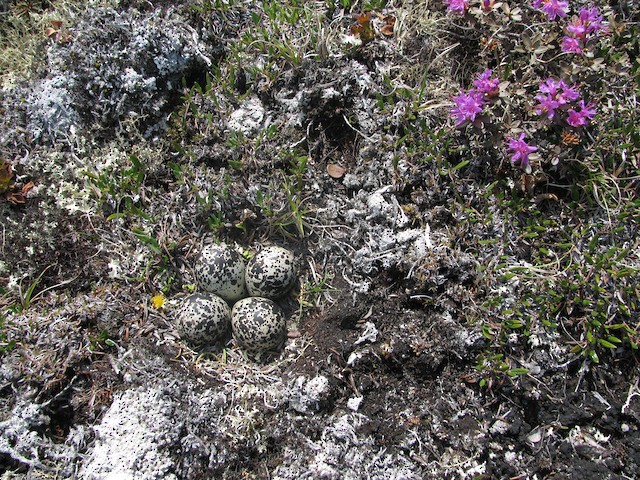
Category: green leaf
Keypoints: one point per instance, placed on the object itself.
(27, 297)
(513, 324)
(462, 164)
(147, 239)
(235, 164)
(135, 162)
(613, 339)
(606, 343)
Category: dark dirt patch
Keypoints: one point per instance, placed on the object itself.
(413, 381)
(56, 245)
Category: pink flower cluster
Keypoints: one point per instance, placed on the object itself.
(469, 104)
(520, 150)
(457, 6)
(579, 118)
(553, 8)
(556, 95)
(581, 28)
(485, 84)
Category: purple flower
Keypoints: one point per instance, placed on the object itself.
(577, 28)
(457, 6)
(590, 14)
(487, 85)
(550, 86)
(553, 8)
(558, 94)
(592, 19)
(582, 117)
(468, 105)
(568, 94)
(520, 150)
(571, 45)
(547, 105)
(559, 91)
(580, 28)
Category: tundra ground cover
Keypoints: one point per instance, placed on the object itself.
(459, 181)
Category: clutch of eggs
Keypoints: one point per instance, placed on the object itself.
(256, 322)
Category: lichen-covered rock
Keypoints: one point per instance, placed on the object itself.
(135, 437)
(258, 325)
(221, 270)
(117, 68)
(306, 395)
(203, 318)
(155, 432)
(248, 118)
(271, 272)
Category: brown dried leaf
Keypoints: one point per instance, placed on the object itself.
(336, 171)
(15, 198)
(363, 28)
(387, 28)
(28, 187)
(364, 18)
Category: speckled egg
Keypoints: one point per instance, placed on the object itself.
(270, 273)
(258, 324)
(203, 318)
(221, 270)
